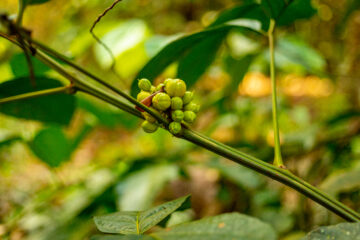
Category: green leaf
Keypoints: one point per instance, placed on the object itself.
(51, 146)
(237, 68)
(169, 54)
(139, 189)
(225, 227)
(20, 67)
(125, 36)
(203, 54)
(273, 8)
(297, 9)
(119, 237)
(284, 13)
(137, 222)
(244, 11)
(34, 2)
(182, 46)
(292, 51)
(342, 231)
(57, 108)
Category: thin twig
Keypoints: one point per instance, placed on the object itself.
(22, 6)
(28, 61)
(107, 48)
(102, 15)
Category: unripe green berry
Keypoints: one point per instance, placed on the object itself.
(161, 101)
(175, 128)
(167, 80)
(149, 127)
(188, 97)
(153, 89)
(177, 115)
(175, 87)
(149, 118)
(176, 103)
(160, 87)
(192, 107)
(144, 84)
(189, 116)
(142, 95)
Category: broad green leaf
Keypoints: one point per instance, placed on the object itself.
(292, 51)
(273, 8)
(225, 227)
(237, 68)
(171, 53)
(20, 68)
(182, 46)
(154, 44)
(194, 64)
(297, 9)
(120, 237)
(137, 222)
(127, 35)
(57, 108)
(285, 13)
(342, 231)
(138, 190)
(244, 11)
(51, 146)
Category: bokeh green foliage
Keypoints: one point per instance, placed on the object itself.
(64, 159)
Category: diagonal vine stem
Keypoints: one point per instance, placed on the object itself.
(281, 175)
(277, 158)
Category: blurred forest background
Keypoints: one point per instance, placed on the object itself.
(54, 178)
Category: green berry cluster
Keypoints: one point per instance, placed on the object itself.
(171, 100)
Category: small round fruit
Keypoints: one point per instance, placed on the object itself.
(175, 87)
(167, 80)
(149, 118)
(189, 116)
(176, 103)
(149, 127)
(142, 95)
(177, 115)
(144, 84)
(160, 87)
(161, 101)
(192, 107)
(175, 128)
(188, 97)
(153, 89)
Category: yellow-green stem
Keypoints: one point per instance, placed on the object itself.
(277, 158)
(36, 94)
(20, 12)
